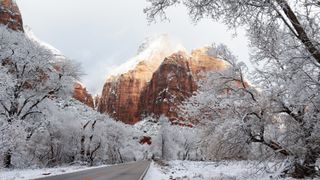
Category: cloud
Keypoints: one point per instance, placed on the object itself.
(102, 34)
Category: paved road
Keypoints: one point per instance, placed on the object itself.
(131, 171)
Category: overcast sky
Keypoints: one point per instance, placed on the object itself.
(102, 34)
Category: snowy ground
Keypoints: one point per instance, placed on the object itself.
(172, 170)
(187, 170)
(37, 173)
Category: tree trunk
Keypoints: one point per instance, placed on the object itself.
(7, 159)
(162, 147)
(82, 148)
(302, 35)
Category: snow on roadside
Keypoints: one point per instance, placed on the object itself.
(226, 170)
(23, 174)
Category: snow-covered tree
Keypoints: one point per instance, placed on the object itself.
(223, 99)
(277, 110)
(31, 74)
(284, 38)
(172, 142)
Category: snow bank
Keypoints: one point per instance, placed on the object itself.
(224, 170)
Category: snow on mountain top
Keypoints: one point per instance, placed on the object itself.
(154, 48)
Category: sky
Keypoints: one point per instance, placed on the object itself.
(103, 34)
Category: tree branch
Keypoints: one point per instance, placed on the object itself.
(302, 35)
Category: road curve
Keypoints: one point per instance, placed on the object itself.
(131, 171)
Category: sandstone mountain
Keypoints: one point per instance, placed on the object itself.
(121, 93)
(81, 94)
(10, 15)
(174, 81)
(163, 75)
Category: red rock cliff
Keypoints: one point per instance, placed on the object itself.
(156, 85)
(81, 94)
(171, 83)
(174, 81)
(121, 93)
(10, 15)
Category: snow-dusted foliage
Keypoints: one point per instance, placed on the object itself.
(282, 110)
(40, 124)
(73, 133)
(178, 142)
(277, 112)
(219, 106)
(31, 74)
(171, 141)
(82, 134)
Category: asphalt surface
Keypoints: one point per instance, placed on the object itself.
(131, 171)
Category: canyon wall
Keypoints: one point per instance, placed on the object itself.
(155, 90)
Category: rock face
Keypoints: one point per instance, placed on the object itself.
(174, 81)
(170, 84)
(10, 15)
(81, 94)
(121, 93)
(156, 84)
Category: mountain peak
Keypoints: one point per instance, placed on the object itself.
(151, 52)
(158, 43)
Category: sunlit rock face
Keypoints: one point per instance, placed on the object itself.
(201, 61)
(10, 15)
(81, 94)
(174, 81)
(121, 93)
(155, 82)
(171, 83)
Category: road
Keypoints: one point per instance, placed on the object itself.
(131, 171)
